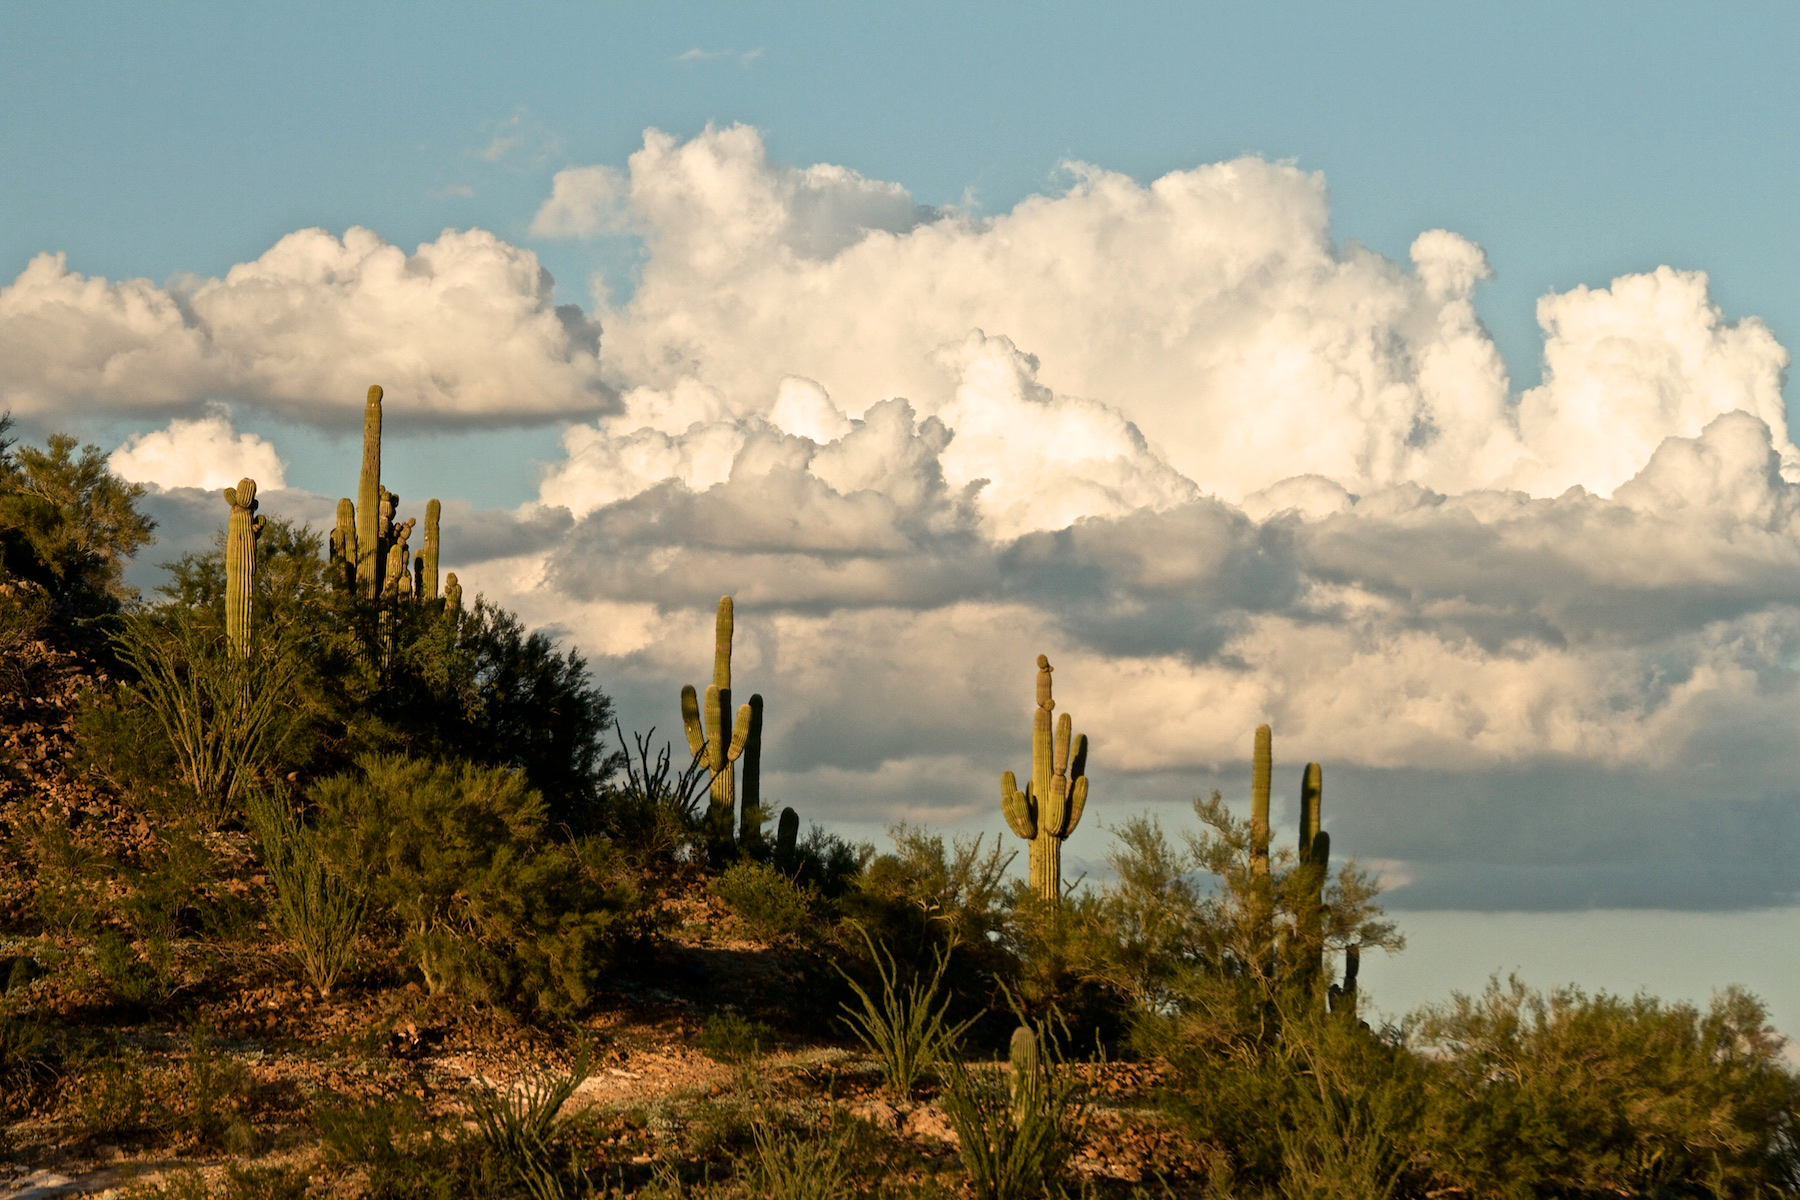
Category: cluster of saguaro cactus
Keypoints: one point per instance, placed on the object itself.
(370, 554)
(1050, 807)
(241, 530)
(1311, 873)
(720, 739)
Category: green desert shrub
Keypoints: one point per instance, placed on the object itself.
(769, 903)
(223, 716)
(729, 1037)
(67, 525)
(518, 1128)
(318, 907)
(801, 1164)
(926, 897)
(489, 905)
(480, 688)
(402, 1153)
(1563, 1094)
(654, 816)
(907, 1027)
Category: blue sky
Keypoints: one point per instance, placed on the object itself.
(1525, 660)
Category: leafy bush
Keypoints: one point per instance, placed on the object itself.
(925, 898)
(67, 524)
(1563, 1094)
(131, 979)
(822, 862)
(404, 1154)
(318, 908)
(729, 1038)
(212, 1093)
(768, 902)
(479, 688)
(489, 905)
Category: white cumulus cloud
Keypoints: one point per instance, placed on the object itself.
(464, 329)
(205, 452)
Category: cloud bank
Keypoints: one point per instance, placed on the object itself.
(1221, 468)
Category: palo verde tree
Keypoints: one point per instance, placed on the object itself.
(68, 525)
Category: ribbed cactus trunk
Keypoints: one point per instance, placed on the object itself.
(1315, 862)
(427, 584)
(370, 563)
(719, 720)
(1050, 807)
(240, 563)
(343, 545)
(750, 793)
(1262, 894)
(1262, 765)
(787, 837)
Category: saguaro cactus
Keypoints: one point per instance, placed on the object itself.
(1050, 807)
(1315, 863)
(787, 836)
(1261, 768)
(240, 563)
(369, 556)
(718, 737)
(343, 545)
(426, 564)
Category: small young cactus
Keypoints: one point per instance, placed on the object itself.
(241, 531)
(452, 596)
(1050, 807)
(1026, 1061)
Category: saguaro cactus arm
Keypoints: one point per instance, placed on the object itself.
(690, 720)
(1021, 813)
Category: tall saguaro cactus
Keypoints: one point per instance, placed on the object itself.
(717, 736)
(1315, 863)
(426, 565)
(369, 564)
(241, 530)
(1050, 807)
(369, 551)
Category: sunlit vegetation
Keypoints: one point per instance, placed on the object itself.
(363, 893)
